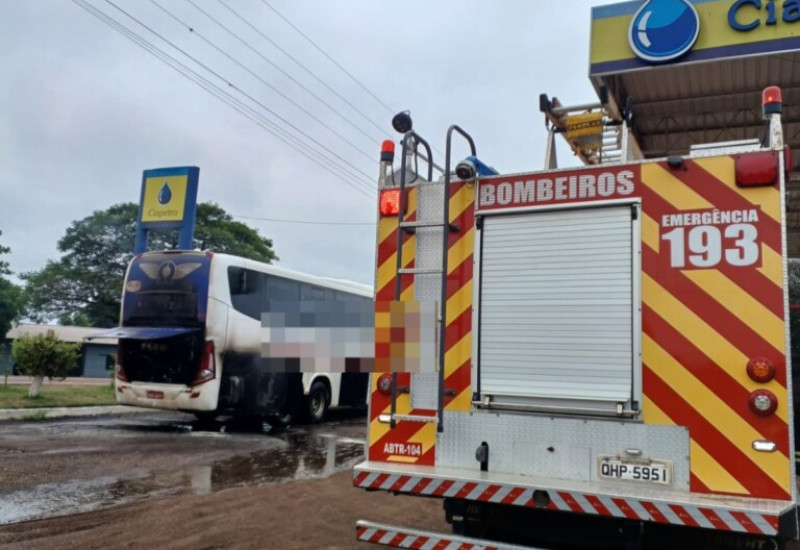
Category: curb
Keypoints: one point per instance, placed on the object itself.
(62, 412)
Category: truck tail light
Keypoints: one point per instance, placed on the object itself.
(385, 384)
(756, 169)
(390, 200)
(760, 369)
(120, 371)
(763, 402)
(208, 366)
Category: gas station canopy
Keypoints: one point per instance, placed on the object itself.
(692, 72)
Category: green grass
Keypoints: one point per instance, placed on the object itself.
(16, 397)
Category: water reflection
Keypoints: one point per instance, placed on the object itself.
(299, 455)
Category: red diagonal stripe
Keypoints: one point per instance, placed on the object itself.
(654, 512)
(708, 436)
(684, 516)
(512, 495)
(488, 493)
(758, 285)
(359, 479)
(625, 508)
(715, 520)
(443, 488)
(466, 489)
(746, 522)
(420, 486)
(729, 326)
(723, 197)
(571, 502)
(402, 480)
(714, 377)
(598, 505)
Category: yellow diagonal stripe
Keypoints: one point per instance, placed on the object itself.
(388, 269)
(671, 189)
(460, 250)
(650, 232)
(463, 199)
(724, 169)
(457, 355)
(426, 435)
(771, 265)
(715, 411)
(705, 338)
(702, 464)
(749, 310)
(385, 227)
(459, 302)
(462, 402)
(711, 473)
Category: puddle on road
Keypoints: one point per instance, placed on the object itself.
(303, 455)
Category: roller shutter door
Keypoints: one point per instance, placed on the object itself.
(556, 305)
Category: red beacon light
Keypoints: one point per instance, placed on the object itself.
(387, 151)
(772, 101)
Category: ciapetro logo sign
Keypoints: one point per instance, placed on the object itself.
(746, 15)
(662, 30)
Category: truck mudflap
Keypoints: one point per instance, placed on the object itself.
(403, 537)
(737, 515)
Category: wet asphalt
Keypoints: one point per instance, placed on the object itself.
(61, 467)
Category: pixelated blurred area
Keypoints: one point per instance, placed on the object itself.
(318, 336)
(405, 336)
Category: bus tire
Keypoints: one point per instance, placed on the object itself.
(317, 402)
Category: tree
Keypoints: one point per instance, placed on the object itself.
(44, 355)
(12, 299)
(97, 249)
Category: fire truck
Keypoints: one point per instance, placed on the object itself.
(585, 357)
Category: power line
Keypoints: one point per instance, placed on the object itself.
(290, 56)
(245, 94)
(214, 90)
(309, 222)
(254, 75)
(331, 59)
(284, 72)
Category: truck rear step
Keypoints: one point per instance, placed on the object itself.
(403, 537)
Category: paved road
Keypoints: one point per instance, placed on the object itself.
(78, 464)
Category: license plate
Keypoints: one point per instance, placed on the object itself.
(155, 395)
(635, 469)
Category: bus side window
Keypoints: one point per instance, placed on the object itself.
(247, 291)
(310, 293)
(280, 290)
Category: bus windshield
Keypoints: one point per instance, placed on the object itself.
(167, 289)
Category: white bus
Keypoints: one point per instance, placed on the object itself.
(190, 338)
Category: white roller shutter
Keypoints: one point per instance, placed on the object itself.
(556, 302)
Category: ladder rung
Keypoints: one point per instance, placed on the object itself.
(387, 418)
(419, 270)
(421, 224)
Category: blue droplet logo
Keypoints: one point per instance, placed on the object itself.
(165, 195)
(664, 29)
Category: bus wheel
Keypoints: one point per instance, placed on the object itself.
(317, 402)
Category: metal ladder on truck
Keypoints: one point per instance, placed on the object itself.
(591, 130)
(432, 226)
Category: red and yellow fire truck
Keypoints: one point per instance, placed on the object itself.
(590, 356)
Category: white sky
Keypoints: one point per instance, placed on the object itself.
(85, 110)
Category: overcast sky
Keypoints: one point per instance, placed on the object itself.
(85, 110)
